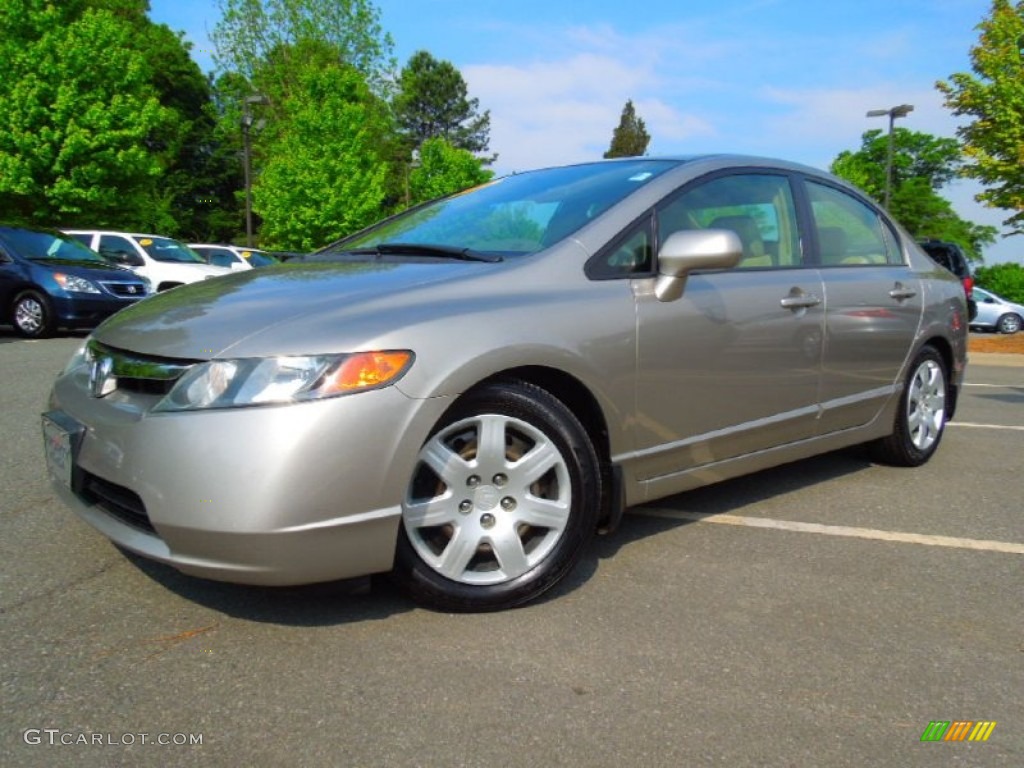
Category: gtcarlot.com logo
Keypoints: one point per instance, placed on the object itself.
(958, 730)
(56, 737)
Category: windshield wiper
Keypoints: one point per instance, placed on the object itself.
(441, 251)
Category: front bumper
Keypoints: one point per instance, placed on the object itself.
(271, 495)
(86, 310)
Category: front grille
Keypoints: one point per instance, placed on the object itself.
(132, 372)
(126, 289)
(144, 386)
(117, 501)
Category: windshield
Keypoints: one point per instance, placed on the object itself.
(517, 214)
(258, 259)
(165, 249)
(40, 245)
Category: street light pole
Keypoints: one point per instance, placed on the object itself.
(901, 111)
(247, 121)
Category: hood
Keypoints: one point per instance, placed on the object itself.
(290, 309)
(93, 270)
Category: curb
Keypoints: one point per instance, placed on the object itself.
(1002, 359)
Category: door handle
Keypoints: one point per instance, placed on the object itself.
(800, 301)
(901, 292)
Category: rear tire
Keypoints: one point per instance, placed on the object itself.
(32, 315)
(1009, 323)
(921, 416)
(504, 498)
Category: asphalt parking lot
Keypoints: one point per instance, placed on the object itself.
(818, 614)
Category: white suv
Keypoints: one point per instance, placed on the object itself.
(165, 262)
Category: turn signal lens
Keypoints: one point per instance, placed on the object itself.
(365, 370)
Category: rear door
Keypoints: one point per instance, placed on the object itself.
(873, 305)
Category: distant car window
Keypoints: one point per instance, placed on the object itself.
(849, 231)
(260, 259)
(220, 257)
(40, 245)
(116, 246)
(165, 249)
(757, 207)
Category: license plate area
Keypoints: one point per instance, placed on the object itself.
(61, 436)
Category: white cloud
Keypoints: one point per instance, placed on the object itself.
(564, 110)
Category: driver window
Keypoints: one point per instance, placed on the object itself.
(757, 207)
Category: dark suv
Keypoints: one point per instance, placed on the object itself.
(951, 256)
(48, 280)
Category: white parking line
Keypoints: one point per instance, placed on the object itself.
(983, 426)
(835, 530)
(995, 386)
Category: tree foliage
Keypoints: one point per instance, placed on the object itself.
(1006, 280)
(254, 32)
(994, 97)
(444, 170)
(922, 165)
(84, 137)
(432, 102)
(630, 137)
(322, 177)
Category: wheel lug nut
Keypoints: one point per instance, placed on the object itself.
(465, 506)
(508, 503)
(499, 480)
(487, 521)
(473, 481)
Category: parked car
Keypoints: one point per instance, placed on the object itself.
(465, 392)
(233, 257)
(165, 262)
(952, 257)
(50, 281)
(996, 313)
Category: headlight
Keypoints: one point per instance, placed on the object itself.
(74, 283)
(262, 381)
(82, 356)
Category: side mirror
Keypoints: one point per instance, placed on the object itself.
(692, 249)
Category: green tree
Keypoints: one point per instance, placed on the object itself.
(994, 97)
(322, 176)
(432, 102)
(254, 32)
(444, 170)
(922, 165)
(1006, 280)
(630, 138)
(916, 155)
(83, 135)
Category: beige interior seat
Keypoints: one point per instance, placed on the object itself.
(754, 253)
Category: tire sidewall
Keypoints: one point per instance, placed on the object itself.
(918, 455)
(46, 328)
(544, 412)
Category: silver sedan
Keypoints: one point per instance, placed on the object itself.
(465, 393)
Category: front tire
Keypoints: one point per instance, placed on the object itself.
(32, 315)
(1009, 323)
(921, 418)
(504, 497)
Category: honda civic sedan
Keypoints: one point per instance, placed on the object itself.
(463, 394)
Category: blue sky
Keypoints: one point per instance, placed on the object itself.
(783, 78)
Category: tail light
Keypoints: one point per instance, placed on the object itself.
(968, 286)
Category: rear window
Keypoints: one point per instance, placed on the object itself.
(948, 255)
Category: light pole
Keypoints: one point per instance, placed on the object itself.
(247, 122)
(901, 111)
